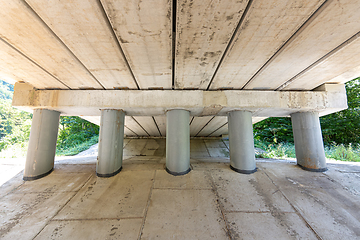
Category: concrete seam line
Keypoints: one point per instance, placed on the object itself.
(319, 61)
(147, 206)
(288, 41)
(107, 19)
(131, 130)
(32, 61)
(57, 212)
(157, 126)
(232, 39)
(295, 208)
(140, 125)
(204, 126)
(217, 129)
(59, 39)
(217, 196)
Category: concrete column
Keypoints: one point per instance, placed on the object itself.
(177, 142)
(111, 142)
(42, 144)
(309, 146)
(241, 141)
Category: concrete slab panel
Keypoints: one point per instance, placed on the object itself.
(92, 229)
(199, 154)
(268, 226)
(204, 29)
(38, 43)
(134, 147)
(74, 166)
(134, 126)
(299, 178)
(183, 214)
(28, 72)
(154, 147)
(192, 180)
(71, 182)
(148, 124)
(128, 190)
(26, 214)
(210, 143)
(84, 29)
(326, 31)
(11, 184)
(332, 213)
(267, 25)
(219, 153)
(144, 31)
(224, 130)
(329, 68)
(161, 123)
(144, 165)
(198, 123)
(213, 125)
(254, 192)
(331, 209)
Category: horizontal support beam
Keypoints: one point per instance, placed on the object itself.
(325, 100)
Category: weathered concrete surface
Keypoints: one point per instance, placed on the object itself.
(144, 31)
(198, 103)
(279, 201)
(325, 31)
(260, 36)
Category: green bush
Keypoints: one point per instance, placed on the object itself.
(74, 149)
(343, 153)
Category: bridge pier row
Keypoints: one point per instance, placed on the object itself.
(309, 146)
(42, 144)
(241, 142)
(111, 142)
(177, 142)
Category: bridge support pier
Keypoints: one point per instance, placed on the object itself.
(241, 141)
(111, 141)
(308, 140)
(42, 144)
(177, 142)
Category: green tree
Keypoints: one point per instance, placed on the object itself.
(74, 131)
(344, 127)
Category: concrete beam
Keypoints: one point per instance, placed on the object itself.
(197, 102)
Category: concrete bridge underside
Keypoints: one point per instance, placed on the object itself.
(215, 66)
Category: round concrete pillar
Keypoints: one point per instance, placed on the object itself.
(309, 146)
(241, 142)
(111, 141)
(177, 142)
(42, 144)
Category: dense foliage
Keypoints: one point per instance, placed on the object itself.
(14, 124)
(75, 135)
(337, 128)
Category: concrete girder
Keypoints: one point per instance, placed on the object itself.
(325, 100)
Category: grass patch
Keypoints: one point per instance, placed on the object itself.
(343, 153)
(350, 153)
(70, 150)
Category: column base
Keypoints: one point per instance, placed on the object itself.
(107, 175)
(37, 177)
(313, 169)
(243, 171)
(178, 173)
